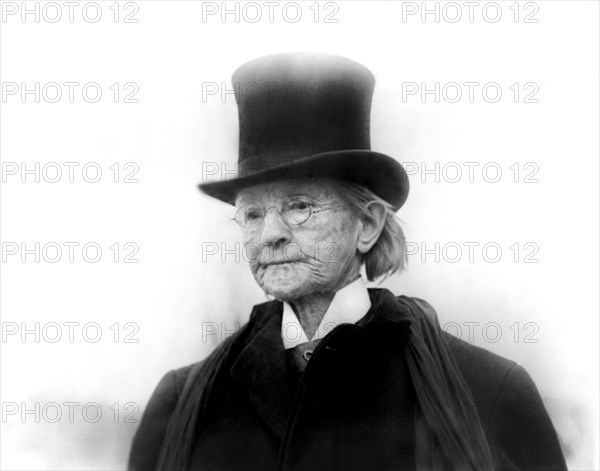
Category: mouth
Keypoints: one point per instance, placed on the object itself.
(279, 263)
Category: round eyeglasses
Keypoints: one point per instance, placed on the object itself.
(293, 213)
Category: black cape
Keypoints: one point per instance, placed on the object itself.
(353, 409)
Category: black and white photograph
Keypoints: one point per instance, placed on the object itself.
(300, 236)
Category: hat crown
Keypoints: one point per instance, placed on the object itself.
(307, 115)
(294, 105)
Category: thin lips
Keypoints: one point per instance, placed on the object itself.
(280, 262)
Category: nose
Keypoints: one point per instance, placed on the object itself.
(274, 231)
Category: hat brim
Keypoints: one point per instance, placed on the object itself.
(378, 172)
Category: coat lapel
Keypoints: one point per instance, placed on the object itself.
(260, 370)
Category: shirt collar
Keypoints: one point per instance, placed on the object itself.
(348, 306)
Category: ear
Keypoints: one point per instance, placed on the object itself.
(371, 225)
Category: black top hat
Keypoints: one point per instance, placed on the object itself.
(305, 115)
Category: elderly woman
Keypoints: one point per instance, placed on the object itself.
(330, 375)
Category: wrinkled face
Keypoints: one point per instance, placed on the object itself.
(290, 260)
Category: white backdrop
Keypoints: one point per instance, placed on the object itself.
(123, 325)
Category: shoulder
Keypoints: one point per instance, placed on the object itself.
(148, 439)
(479, 363)
(492, 378)
(150, 435)
(511, 408)
(488, 375)
(509, 404)
(476, 362)
(179, 376)
(171, 385)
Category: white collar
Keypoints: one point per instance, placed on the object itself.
(349, 305)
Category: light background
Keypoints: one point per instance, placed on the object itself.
(169, 53)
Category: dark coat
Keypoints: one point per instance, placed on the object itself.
(351, 410)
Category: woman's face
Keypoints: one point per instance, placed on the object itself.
(289, 261)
